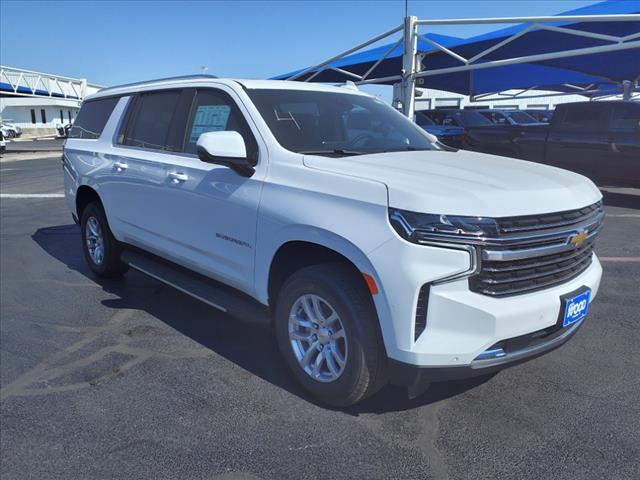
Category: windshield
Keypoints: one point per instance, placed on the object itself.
(336, 124)
(522, 118)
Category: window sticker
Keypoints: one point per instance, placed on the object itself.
(209, 118)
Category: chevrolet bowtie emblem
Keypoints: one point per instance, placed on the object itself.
(578, 239)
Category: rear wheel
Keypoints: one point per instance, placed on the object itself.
(327, 331)
(101, 250)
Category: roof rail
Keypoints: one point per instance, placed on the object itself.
(157, 80)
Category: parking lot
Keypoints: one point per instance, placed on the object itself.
(132, 379)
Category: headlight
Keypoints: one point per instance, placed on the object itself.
(429, 227)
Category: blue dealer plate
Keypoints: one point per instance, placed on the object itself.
(575, 308)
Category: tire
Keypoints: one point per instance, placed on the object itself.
(338, 291)
(108, 264)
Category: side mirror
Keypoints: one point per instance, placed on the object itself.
(225, 148)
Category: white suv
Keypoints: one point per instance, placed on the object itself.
(377, 253)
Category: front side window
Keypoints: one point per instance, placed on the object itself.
(336, 124)
(151, 122)
(214, 111)
(92, 118)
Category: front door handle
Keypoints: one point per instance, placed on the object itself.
(178, 177)
(120, 166)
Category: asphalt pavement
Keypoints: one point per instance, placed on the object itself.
(132, 379)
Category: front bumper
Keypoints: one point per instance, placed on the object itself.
(460, 324)
(539, 344)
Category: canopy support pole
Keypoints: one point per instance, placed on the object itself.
(626, 90)
(409, 70)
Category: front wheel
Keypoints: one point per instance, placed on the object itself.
(100, 248)
(327, 331)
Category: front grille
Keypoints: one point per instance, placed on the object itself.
(548, 220)
(536, 252)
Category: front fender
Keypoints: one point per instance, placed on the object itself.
(335, 242)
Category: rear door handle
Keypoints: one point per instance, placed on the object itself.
(120, 166)
(178, 177)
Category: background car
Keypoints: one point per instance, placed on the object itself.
(600, 140)
(508, 117)
(3, 144)
(480, 134)
(12, 129)
(7, 132)
(456, 117)
(450, 135)
(543, 116)
(63, 130)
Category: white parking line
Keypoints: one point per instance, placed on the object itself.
(31, 195)
(620, 259)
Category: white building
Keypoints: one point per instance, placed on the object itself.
(39, 102)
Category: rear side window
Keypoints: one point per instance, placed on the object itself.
(92, 118)
(583, 117)
(625, 118)
(151, 122)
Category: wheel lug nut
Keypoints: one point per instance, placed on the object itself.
(315, 326)
(314, 337)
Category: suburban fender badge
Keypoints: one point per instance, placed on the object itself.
(227, 238)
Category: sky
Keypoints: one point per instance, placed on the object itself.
(113, 42)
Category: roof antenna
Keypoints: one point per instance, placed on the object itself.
(204, 69)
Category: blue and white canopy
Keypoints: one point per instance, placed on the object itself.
(441, 70)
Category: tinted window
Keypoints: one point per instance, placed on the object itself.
(522, 118)
(422, 119)
(151, 122)
(443, 118)
(92, 118)
(469, 118)
(213, 112)
(625, 117)
(331, 123)
(498, 118)
(583, 117)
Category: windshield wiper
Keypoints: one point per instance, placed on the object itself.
(405, 149)
(335, 151)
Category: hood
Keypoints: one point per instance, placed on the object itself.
(466, 183)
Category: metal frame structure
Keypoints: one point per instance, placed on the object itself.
(42, 85)
(411, 72)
